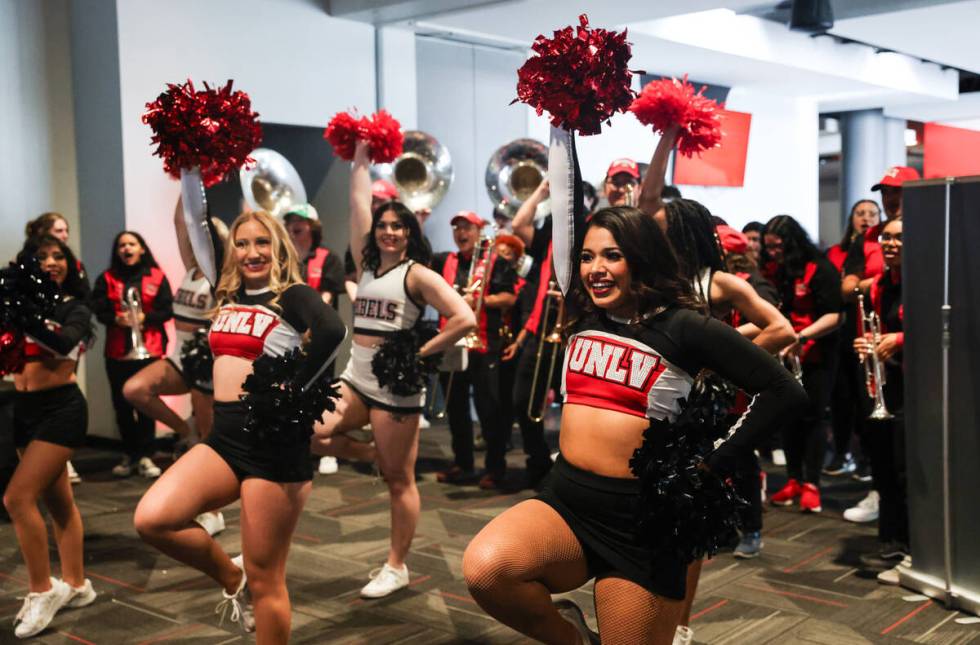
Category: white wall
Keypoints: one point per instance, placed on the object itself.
(37, 165)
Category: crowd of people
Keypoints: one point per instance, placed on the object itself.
(650, 293)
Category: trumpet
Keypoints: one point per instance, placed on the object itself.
(553, 341)
(794, 366)
(477, 282)
(874, 372)
(134, 309)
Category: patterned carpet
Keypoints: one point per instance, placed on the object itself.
(809, 586)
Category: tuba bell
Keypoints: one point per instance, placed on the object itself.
(423, 172)
(514, 172)
(271, 183)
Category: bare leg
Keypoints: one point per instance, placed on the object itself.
(68, 530)
(328, 438)
(270, 511)
(693, 575)
(143, 391)
(517, 561)
(203, 406)
(41, 465)
(199, 481)
(397, 439)
(630, 615)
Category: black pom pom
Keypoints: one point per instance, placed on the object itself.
(397, 364)
(685, 510)
(279, 409)
(196, 359)
(27, 297)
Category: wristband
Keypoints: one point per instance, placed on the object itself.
(801, 339)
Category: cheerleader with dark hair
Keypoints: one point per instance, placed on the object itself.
(50, 421)
(394, 286)
(636, 344)
(133, 276)
(809, 288)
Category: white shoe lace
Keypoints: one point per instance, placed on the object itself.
(232, 603)
(25, 608)
(385, 577)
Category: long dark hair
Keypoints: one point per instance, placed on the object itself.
(654, 270)
(798, 249)
(74, 284)
(691, 231)
(417, 249)
(115, 262)
(845, 242)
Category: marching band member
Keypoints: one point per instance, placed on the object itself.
(192, 309)
(622, 182)
(394, 286)
(510, 249)
(497, 281)
(132, 271)
(50, 421)
(809, 288)
(753, 231)
(263, 309)
(635, 324)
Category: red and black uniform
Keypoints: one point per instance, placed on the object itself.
(323, 270)
(805, 298)
(862, 258)
(885, 440)
(482, 372)
(156, 298)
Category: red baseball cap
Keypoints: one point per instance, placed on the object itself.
(896, 176)
(470, 217)
(385, 190)
(628, 166)
(731, 240)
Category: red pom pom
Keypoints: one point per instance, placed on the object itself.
(670, 102)
(384, 133)
(214, 129)
(580, 77)
(343, 131)
(11, 353)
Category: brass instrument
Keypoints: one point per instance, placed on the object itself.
(134, 309)
(514, 172)
(553, 339)
(630, 191)
(271, 184)
(874, 372)
(794, 366)
(423, 172)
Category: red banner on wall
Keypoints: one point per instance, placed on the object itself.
(721, 166)
(949, 151)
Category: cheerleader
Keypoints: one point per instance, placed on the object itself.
(263, 309)
(636, 345)
(166, 377)
(809, 288)
(50, 421)
(132, 268)
(394, 286)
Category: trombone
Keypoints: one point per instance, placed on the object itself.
(553, 340)
(874, 372)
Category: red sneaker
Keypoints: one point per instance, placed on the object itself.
(810, 500)
(787, 493)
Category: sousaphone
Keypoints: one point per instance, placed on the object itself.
(514, 172)
(271, 183)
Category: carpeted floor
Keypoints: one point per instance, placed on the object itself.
(809, 586)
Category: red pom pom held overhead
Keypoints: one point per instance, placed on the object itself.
(381, 130)
(580, 77)
(343, 131)
(214, 129)
(669, 102)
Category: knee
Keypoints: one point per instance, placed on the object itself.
(149, 522)
(484, 567)
(135, 390)
(17, 501)
(265, 581)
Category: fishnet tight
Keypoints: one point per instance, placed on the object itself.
(528, 553)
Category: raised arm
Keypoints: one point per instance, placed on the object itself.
(183, 240)
(523, 222)
(654, 181)
(360, 201)
(436, 292)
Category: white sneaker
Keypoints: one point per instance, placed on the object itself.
(424, 423)
(239, 604)
(683, 635)
(123, 469)
(891, 576)
(778, 457)
(39, 608)
(80, 596)
(148, 469)
(384, 581)
(864, 511)
(328, 465)
(573, 614)
(73, 476)
(211, 522)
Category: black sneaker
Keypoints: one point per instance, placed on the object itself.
(863, 473)
(840, 465)
(893, 550)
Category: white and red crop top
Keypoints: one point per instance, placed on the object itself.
(252, 326)
(193, 300)
(383, 303)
